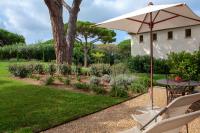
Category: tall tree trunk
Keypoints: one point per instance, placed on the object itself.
(56, 11)
(71, 30)
(85, 56)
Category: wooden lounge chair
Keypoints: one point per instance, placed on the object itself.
(171, 125)
(177, 107)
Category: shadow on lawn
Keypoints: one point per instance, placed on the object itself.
(2, 82)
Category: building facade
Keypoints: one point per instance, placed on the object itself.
(166, 41)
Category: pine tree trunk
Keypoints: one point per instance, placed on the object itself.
(71, 31)
(85, 57)
(56, 12)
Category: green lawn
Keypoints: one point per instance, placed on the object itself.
(26, 108)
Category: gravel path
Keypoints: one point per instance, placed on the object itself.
(116, 118)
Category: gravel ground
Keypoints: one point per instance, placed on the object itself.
(117, 118)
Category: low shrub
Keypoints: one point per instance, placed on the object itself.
(140, 85)
(67, 81)
(100, 69)
(51, 69)
(106, 78)
(85, 71)
(78, 78)
(82, 86)
(21, 71)
(60, 79)
(31, 67)
(49, 80)
(76, 70)
(119, 68)
(95, 80)
(35, 77)
(97, 89)
(38, 68)
(122, 80)
(118, 91)
(64, 69)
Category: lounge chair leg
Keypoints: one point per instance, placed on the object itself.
(187, 128)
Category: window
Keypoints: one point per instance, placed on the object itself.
(141, 38)
(188, 33)
(154, 37)
(170, 35)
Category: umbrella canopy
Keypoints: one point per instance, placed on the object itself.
(163, 17)
(153, 18)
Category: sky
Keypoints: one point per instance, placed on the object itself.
(30, 18)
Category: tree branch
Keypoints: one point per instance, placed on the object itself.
(66, 6)
(95, 40)
(79, 40)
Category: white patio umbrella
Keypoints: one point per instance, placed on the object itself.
(153, 18)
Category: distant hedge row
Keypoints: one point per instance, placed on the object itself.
(43, 52)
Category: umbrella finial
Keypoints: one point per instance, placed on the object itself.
(150, 4)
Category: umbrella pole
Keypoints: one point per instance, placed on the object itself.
(151, 56)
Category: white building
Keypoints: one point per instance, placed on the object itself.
(166, 41)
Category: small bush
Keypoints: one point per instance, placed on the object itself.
(64, 69)
(66, 81)
(82, 86)
(122, 80)
(97, 89)
(21, 71)
(76, 70)
(85, 71)
(117, 91)
(38, 69)
(140, 85)
(100, 69)
(49, 80)
(35, 77)
(106, 78)
(78, 78)
(119, 68)
(95, 80)
(31, 67)
(60, 79)
(51, 69)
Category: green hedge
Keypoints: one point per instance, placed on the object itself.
(141, 64)
(39, 51)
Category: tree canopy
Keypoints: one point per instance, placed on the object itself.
(125, 48)
(8, 38)
(87, 35)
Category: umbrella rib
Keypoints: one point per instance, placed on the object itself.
(166, 19)
(182, 15)
(156, 16)
(137, 21)
(142, 23)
